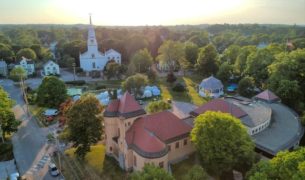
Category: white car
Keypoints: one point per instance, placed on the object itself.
(53, 169)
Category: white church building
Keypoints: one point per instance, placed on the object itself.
(93, 59)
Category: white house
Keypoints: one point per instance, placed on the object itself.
(27, 64)
(211, 87)
(3, 68)
(93, 59)
(50, 68)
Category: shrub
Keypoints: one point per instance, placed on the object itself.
(157, 106)
(171, 78)
(100, 86)
(179, 87)
(76, 82)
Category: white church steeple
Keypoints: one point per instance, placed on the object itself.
(91, 42)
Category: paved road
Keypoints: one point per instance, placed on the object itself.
(30, 147)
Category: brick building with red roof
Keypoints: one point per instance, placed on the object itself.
(135, 139)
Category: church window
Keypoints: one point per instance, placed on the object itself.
(93, 65)
(93, 55)
(91, 40)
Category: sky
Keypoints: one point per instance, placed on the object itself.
(152, 12)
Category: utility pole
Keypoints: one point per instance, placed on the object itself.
(73, 64)
(22, 86)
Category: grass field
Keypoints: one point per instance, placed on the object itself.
(95, 158)
(190, 95)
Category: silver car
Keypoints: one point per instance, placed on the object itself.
(53, 169)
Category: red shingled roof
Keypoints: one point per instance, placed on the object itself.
(267, 95)
(220, 105)
(151, 133)
(128, 104)
(127, 107)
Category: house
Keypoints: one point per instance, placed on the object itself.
(93, 59)
(272, 126)
(50, 68)
(27, 64)
(135, 139)
(3, 68)
(211, 87)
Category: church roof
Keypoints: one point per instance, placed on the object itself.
(126, 107)
(111, 51)
(149, 135)
(220, 105)
(267, 95)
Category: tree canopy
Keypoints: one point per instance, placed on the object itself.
(222, 143)
(27, 53)
(17, 73)
(246, 87)
(142, 60)
(285, 165)
(151, 172)
(195, 173)
(157, 106)
(51, 92)
(84, 124)
(170, 53)
(134, 83)
(207, 62)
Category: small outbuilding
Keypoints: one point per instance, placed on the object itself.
(267, 96)
(211, 87)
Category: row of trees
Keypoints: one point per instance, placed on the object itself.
(8, 122)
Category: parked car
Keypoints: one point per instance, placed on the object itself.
(53, 169)
(14, 176)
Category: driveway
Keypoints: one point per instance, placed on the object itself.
(30, 147)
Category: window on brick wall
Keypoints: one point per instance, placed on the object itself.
(177, 145)
(161, 164)
(185, 142)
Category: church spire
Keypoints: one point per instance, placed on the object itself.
(90, 19)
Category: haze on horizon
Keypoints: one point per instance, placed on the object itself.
(157, 12)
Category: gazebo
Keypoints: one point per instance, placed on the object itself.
(211, 87)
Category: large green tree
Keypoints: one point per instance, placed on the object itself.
(257, 65)
(134, 83)
(207, 62)
(222, 143)
(27, 53)
(170, 53)
(84, 124)
(8, 122)
(289, 92)
(112, 70)
(51, 92)
(142, 60)
(225, 72)
(6, 53)
(285, 165)
(151, 172)
(230, 54)
(191, 52)
(246, 87)
(241, 60)
(195, 173)
(18, 73)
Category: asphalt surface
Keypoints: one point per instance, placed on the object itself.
(30, 143)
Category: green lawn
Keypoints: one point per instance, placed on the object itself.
(190, 95)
